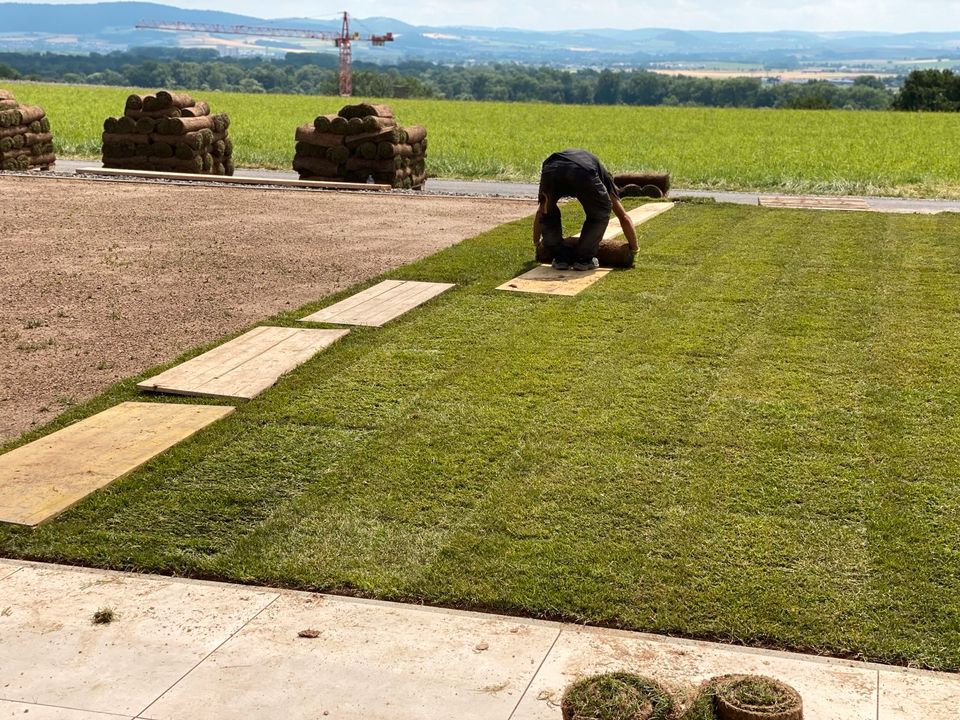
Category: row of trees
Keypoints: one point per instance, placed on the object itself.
(316, 74)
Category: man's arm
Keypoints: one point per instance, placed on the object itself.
(626, 224)
(536, 225)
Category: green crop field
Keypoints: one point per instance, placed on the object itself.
(842, 152)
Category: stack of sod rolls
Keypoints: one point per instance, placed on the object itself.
(359, 143)
(168, 132)
(25, 139)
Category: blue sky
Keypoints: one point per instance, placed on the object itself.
(818, 15)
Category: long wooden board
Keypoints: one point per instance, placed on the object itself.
(810, 202)
(544, 280)
(47, 476)
(379, 304)
(246, 366)
(232, 179)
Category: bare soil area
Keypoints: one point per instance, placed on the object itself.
(99, 281)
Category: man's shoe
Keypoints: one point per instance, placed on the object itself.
(560, 265)
(591, 264)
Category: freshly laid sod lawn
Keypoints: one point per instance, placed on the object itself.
(754, 436)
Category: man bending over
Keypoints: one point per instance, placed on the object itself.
(579, 174)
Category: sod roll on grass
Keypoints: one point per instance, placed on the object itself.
(652, 185)
(360, 143)
(26, 142)
(170, 132)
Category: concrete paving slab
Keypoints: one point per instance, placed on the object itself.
(7, 569)
(245, 366)
(378, 305)
(911, 696)
(830, 690)
(43, 478)
(54, 655)
(31, 711)
(544, 280)
(370, 660)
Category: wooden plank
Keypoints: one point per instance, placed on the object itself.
(246, 366)
(544, 280)
(232, 179)
(811, 202)
(47, 476)
(379, 304)
(547, 281)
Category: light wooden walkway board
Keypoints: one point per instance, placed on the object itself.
(809, 202)
(246, 366)
(379, 304)
(232, 179)
(544, 280)
(47, 476)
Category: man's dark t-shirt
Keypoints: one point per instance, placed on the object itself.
(570, 170)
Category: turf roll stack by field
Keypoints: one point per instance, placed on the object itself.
(652, 185)
(25, 139)
(359, 144)
(169, 132)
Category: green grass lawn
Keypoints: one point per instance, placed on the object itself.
(796, 151)
(751, 436)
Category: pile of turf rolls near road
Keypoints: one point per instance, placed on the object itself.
(168, 132)
(362, 143)
(26, 142)
(653, 185)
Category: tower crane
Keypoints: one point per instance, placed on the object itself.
(343, 40)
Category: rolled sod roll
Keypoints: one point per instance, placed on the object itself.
(322, 123)
(47, 160)
(9, 104)
(228, 166)
(415, 134)
(174, 164)
(118, 150)
(44, 125)
(372, 123)
(6, 144)
(134, 102)
(312, 150)
(194, 140)
(41, 149)
(387, 150)
(339, 125)
(390, 135)
(200, 109)
(184, 152)
(161, 150)
(361, 164)
(155, 114)
(37, 138)
(145, 126)
(315, 166)
(367, 151)
(14, 130)
(21, 162)
(132, 139)
(111, 125)
(28, 114)
(9, 118)
(182, 125)
(125, 125)
(5, 94)
(165, 99)
(362, 110)
(218, 148)
(309, 135)
(611, 253)
(338, 154)
(218, 168)
(207, 165)
(660, 180)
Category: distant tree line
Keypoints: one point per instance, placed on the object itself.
(316, 74)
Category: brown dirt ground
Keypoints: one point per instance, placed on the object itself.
(99, 281)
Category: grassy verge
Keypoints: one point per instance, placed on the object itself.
(752, 436)
(841, 152)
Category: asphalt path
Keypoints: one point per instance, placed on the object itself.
(486, 188)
